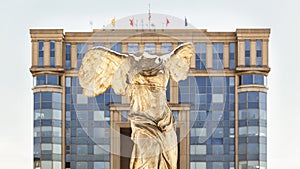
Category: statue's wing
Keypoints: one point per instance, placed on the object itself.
(179, 62)
(98, 69)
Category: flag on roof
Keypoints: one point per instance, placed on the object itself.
(113, 22)
(185, 22)
(167, 21)
(131, 22)
(149, 14)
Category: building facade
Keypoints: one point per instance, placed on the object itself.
(220, 109)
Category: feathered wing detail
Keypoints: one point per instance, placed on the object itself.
(179, 62)
(119, 81)
(98, 69)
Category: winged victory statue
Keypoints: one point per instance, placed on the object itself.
(144, 79)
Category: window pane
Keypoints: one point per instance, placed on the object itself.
(166, 47)
(252, 96)
(56, 131)
(47, 96)
(247, 79)
(132, 48)
(242, 131)
(46, 164)
(46, 114)
(68, 56)
(258, 53)
(231, 55)
(56, 148)
(252, 148)
(41, 80)
(52, 79)
(242, 148)
(41, 53)
(116, 47)
(82, 149)
(252, 131)
(218, 56)
(57, 97)
(81, 165)
(149, 47)
(52, 53)
(253, 113)
(258, 79)
(247, 53)
(81, 99)
(218, 149)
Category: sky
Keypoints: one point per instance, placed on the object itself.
(18, 16)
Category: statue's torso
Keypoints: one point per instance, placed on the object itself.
(148, 94)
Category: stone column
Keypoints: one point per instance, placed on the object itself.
(73, 56)
(124, 48)
(253, 53)
(265, 52)
(158, 47)
(226, 55)
(209, 55)
(58, 54)
(241, 53)
(47, 53)
(193, 61)
(141, 47)
(35, 53)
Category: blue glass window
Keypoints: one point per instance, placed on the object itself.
(252, 96)
(253, 79)
(218, 56)
(53, 79)
(258, 53)
(46, 96)
(231, 55)
(41, 54)
(247, 79)
(116, 47)
(258, 79)
(200, 49)
(247, 53)
(52, 53)
(47, 79)
(166, 47)
(253, 148)
(132, 47)
(149, 47)
(81, 49)
(41, 80)
(68, 56)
